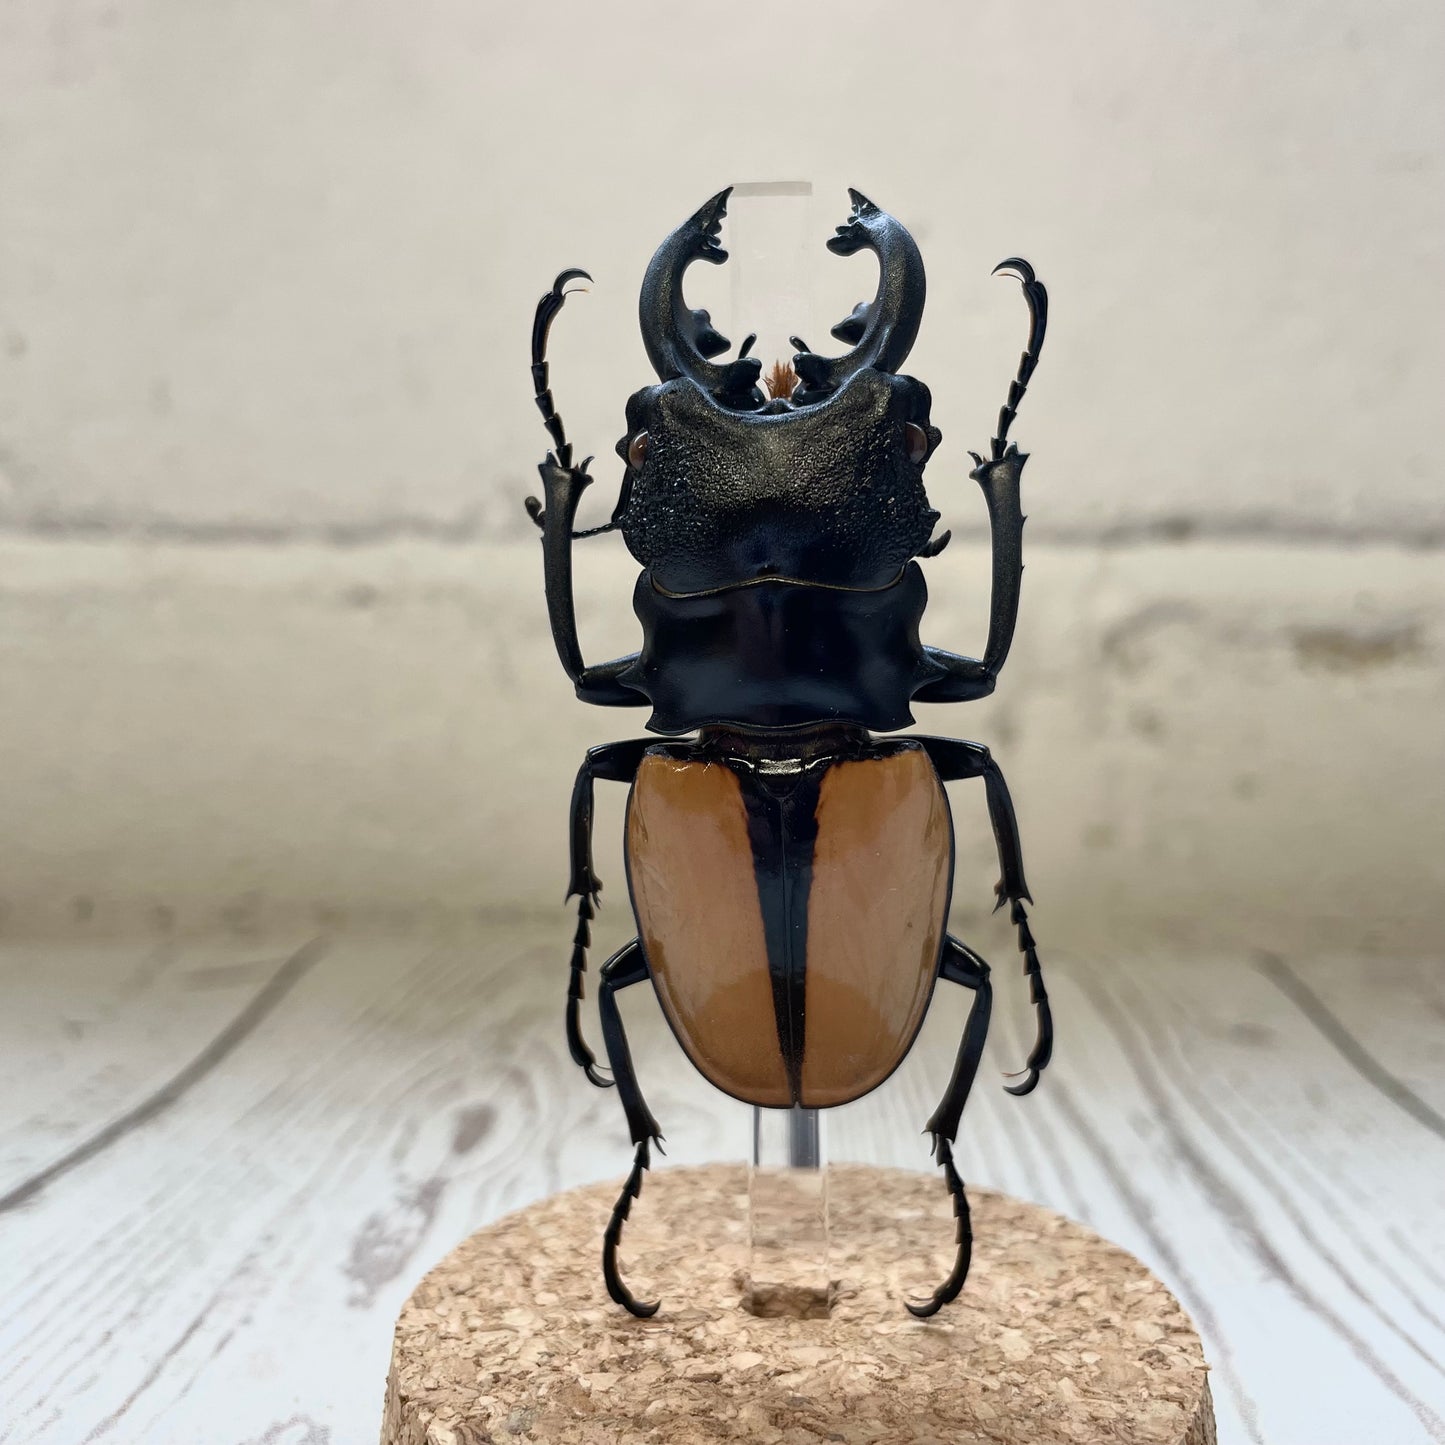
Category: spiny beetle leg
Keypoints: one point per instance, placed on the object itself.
(612, 1238)
(949, 1289)
(614, 762)
(562, 488)
(954, 759)
(582, 1056)
(1043, 1049)
(963, 966)
(1036, 297)
(967, 677)
(584, 884)
(624, 969)
(546, 313)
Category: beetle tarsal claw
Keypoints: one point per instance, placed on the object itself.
(612, 1238)
(922, 1308)
(963, 1235)
(574, 273)
(1017, 267)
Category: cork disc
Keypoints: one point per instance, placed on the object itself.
(1058, 1336)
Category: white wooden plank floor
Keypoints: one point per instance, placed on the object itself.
(222, 1166)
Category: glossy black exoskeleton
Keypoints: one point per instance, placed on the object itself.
(790, 872)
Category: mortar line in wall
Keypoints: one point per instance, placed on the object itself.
(1168, 531)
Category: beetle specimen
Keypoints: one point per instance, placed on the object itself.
(789, 871)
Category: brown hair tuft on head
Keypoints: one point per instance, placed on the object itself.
(781, 380)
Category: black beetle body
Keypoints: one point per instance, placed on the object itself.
(824, 493)
(789, 871)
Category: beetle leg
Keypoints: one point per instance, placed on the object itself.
(547, 309)
(617, 762)
(562, 488)
(970, 677)
(622, 970)
(1043, 1049)
(999, 477)
(546, 313)
(956, 759)
(595, 683)
(1037, 300)
(582, 1056)
(963, 966)
(1013, 890)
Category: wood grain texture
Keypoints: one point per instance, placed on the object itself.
(1061, 1338)
(292, 1136)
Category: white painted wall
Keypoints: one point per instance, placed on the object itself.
(266, 280)
(272, 264)
(1212, 744)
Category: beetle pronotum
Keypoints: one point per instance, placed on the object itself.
(790, 872)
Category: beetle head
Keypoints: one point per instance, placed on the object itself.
(822, 482)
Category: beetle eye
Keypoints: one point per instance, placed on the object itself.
(916, 440)
(637, 451)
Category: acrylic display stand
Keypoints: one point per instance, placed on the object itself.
(783, 1283)
(772, 243)
(788, 1270)
(1058, 1336)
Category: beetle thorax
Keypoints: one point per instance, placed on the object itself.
(825, 493)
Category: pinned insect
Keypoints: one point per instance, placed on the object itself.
(789, 871)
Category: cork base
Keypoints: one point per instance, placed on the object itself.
(1058, 1336)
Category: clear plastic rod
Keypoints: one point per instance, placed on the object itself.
(788, 1271)
(787, 1139)
(771, 244)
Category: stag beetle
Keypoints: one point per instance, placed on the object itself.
(790, 872)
